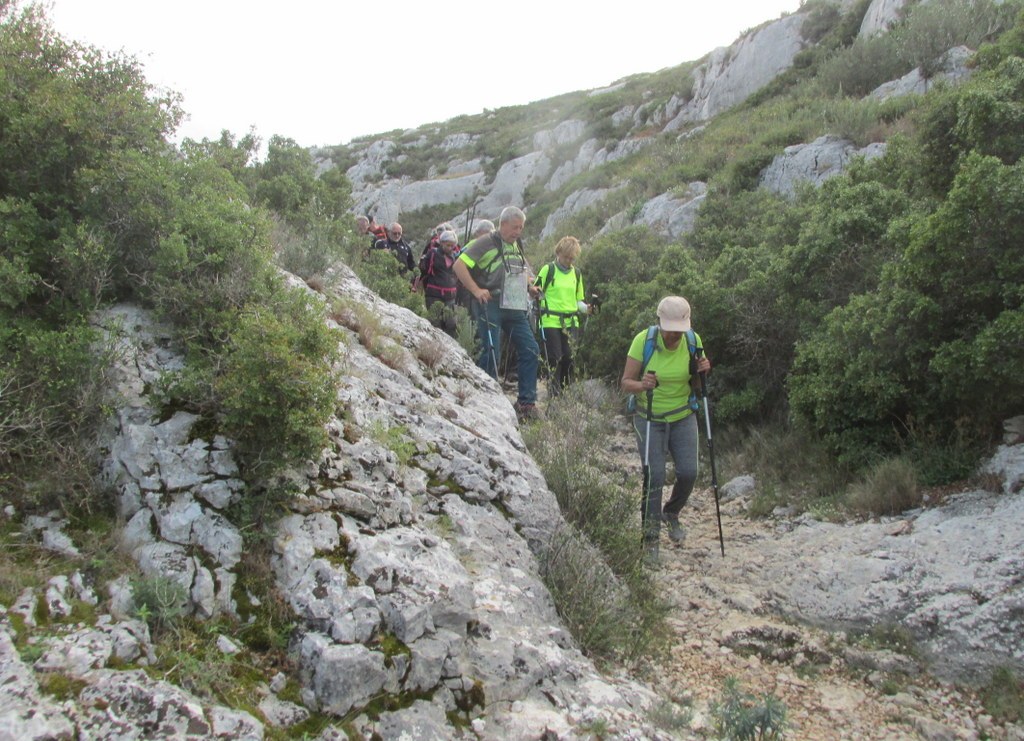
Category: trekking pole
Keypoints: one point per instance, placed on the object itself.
(470, 215)
(490, 339)
(647, 461)
(697, 353)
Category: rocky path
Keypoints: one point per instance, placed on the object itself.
(832, 687)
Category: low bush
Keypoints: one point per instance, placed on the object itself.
(889, 488)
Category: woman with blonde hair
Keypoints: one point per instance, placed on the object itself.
(561, 302)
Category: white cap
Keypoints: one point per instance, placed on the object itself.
(674, 314)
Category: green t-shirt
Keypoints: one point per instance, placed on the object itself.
(673, 370)
(559, 307)
(489, 259)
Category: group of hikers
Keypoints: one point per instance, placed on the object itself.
(664, 366)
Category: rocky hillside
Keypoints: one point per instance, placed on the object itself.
(558, 157)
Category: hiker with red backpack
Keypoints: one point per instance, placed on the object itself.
(663, 371)
(437, 277)
(367, 227)
(560, 304)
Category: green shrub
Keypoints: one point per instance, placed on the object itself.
(380, 272)
(52, 394)
(312, 253)
(160, 601)
(276, 386)
(863, 66)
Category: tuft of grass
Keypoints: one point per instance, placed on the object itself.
(671, 717)
(430, 352)
(791, 467)
(889, 488)
(60, 686)
(891, 637)
(396, 439)
(1003, 696)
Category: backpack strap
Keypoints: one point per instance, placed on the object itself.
(649, 346)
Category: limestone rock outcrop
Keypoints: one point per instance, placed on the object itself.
(814, 163)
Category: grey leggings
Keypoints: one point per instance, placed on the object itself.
(680, 440)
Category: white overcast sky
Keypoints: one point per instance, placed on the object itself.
(323, 72)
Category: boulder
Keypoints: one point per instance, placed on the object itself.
(575, 203)
(673, 216)
(824, 158)
(949, 575)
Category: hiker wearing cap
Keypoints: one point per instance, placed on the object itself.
(494, 270)
(560, 304)
(438, 279)
(398, 246)
(661, 370)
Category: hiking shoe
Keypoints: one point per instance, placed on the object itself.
(526, 412)
(650, 557)
(675, 531)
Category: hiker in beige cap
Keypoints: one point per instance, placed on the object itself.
(661, 374)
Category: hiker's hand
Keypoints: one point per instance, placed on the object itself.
(703, 364)
(534, 291)
(482, 295)
(649, 382)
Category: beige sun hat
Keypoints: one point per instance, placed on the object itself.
(674, 314)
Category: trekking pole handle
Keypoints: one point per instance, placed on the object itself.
(698, 353)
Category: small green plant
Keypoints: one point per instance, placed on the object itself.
(889, 636)
(465, 333)
(764, 502)
(1003, 696)
(396, 439)
(60, 686)
(740, 716)
(159, 601)
(596, 728)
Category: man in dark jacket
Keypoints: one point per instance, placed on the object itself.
(398, 246)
